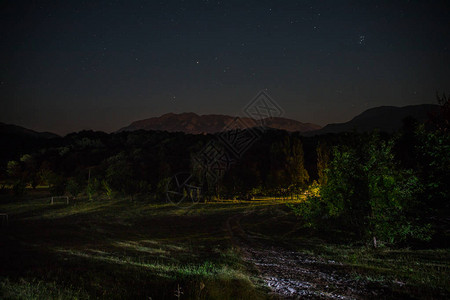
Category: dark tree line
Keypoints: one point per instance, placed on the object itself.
(384, 187)
(141, 163)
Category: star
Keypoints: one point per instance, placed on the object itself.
(362, 39)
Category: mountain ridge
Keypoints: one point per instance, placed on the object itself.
(384, 118)
(10, 129)
(212, 123)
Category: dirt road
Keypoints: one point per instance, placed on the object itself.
(293, 275)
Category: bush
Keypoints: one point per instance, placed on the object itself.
(57, 184)
(367, 193)
(19, 188)
(93, 188)
(108, 189)
(73, 187)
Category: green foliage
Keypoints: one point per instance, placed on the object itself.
(323, 160)
(161, 188)
(57, 184)
(16, 177)
(346, 190)
(367, 193)
(313, 209)
(23, 172)
(14, 169)
(119, 174)
(434, 170)
(19, 188)
(74, 187)
(392, 193)
(26, 158)
(45, 173)
(36, 289)
(93, 187)
(108, 189)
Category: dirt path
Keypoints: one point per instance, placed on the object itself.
(292, 275)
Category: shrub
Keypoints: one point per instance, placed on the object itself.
(367, 193)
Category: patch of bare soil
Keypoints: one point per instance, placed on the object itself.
(293, 275)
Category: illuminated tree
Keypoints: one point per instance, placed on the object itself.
(323, 160)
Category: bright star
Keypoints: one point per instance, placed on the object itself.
(362, 39)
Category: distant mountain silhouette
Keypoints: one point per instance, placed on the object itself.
(384, 118)
(199, 124)
(14, 130)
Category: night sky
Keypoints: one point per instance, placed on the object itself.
(67, 66)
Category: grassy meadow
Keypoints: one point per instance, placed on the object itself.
(116, 249)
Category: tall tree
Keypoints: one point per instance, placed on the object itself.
(323, 160)
(296, 163)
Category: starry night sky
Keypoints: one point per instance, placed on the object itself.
(67, 66)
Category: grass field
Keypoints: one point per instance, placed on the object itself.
(122, 249)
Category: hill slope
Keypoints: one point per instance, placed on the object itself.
(14, 130)
(198, 124)
(384, 118)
